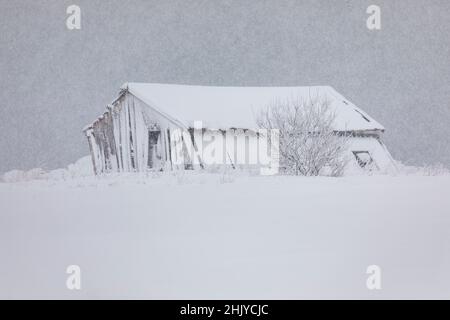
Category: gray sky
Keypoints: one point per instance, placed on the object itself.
(55, 81)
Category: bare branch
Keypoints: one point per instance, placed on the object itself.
(308, 143)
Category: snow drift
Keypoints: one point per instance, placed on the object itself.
(81, 168)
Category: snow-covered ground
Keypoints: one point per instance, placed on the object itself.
(221, 236)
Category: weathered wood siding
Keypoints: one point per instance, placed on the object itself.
(119, 139)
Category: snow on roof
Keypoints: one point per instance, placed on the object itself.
(238, 107)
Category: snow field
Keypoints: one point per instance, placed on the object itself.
(226, 236)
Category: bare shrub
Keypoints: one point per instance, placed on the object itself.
(309, 145)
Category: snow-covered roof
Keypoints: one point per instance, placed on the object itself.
(238, 107)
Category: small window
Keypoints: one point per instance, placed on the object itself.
(364, 159)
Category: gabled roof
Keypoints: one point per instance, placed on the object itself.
(238, 107)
